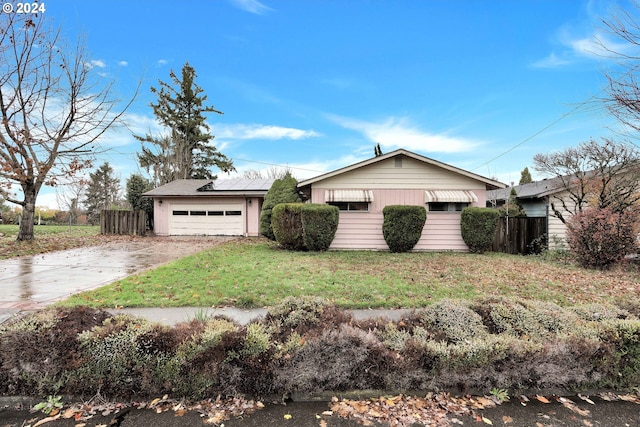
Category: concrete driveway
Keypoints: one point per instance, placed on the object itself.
(33, 282)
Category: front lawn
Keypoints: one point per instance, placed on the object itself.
(255, 273)
(47, 238)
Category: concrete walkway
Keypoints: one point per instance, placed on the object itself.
(172, 316)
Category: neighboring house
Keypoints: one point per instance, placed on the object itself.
(400, 177)
(537, 198)
(221, 207)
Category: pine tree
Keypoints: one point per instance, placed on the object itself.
(103, 192)
(525, 176)
(186, 152)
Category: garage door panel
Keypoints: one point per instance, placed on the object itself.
(220, 219)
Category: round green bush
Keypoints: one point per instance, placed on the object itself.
(286, 222)
(402, 226)
(319, 225)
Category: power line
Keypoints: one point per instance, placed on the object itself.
(564, 116)
(628, 73)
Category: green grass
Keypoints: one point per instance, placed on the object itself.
(11, 230)
(256, 273)
(47, 238)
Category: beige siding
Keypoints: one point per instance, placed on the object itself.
(412, 175)
(442, 232)
(557, 229)
(359, 230)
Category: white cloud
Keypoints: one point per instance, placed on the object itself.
(251, 6)
(162, 62)
(257, 131)
(552, 61)
(95, 63)
(123, 63)
(396, 132)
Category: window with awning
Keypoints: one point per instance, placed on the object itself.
(349, 200)
(348, 196)
(449, 200)
(450, 196)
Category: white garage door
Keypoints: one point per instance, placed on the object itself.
(210, 220)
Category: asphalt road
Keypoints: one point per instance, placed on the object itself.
(312, 414)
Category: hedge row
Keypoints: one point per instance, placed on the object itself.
(299, 226)
(304, 226)
(305, 345)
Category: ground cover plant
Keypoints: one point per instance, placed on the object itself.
(48, 238)
(307, 345)
(256, 273)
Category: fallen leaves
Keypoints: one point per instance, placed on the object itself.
(213, 411)
(401, 410)
(442, 409)
(434, 409)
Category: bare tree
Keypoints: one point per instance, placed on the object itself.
(274, 172)
(53, 110)
(603, 175)
(69, 196)
(623, 90)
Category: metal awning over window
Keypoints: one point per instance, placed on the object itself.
(450, 196)
(348, 196)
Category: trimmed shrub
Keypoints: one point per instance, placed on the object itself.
(402, 226)
(37, 351)
(451, 321)
(286, 221)
(282, 190)
(478, 228)
(319, 225)
(599, 238)
(301, 226)
(346, 358)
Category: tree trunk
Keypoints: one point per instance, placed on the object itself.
(28, 214)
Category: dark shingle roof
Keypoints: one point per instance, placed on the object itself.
(529, 191)
(208, 187)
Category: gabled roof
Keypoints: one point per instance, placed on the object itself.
(209, 187)
(490, 183)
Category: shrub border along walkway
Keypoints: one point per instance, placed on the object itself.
(306, 346)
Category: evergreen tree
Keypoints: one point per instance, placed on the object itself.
(525, 176)
(187, 151)
(136, 186)
(103, 192)
(513, 207)
(282, 190)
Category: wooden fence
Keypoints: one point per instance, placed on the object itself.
(123, 222)
(522, 235)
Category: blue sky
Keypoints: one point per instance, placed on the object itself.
(314, 85)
